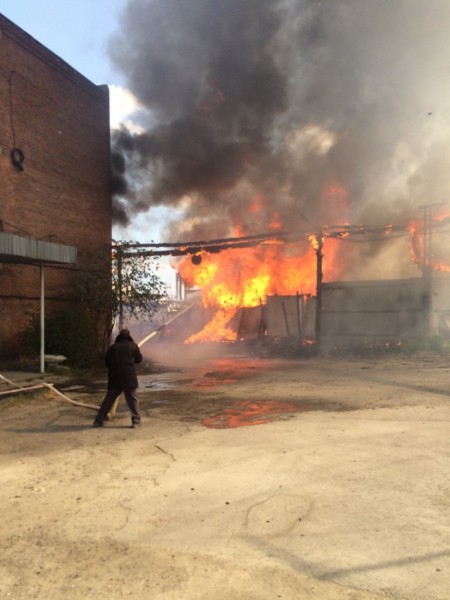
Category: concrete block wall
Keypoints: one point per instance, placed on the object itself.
(369, 312)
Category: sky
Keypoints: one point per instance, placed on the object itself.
(257, 114)
(79, 33)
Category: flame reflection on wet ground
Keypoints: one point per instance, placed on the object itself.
(187, 393)
(249, 412)
(209, 375)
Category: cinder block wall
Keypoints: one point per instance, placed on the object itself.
(358, 313)
(59, 120)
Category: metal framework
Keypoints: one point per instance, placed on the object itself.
(280, 237)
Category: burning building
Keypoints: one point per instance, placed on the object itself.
(286, 116)
(247, 284)
(55, 211)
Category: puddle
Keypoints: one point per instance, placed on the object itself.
(222, 372)
(196, 380)
(160, 385)
(250, 412)
(163, 382)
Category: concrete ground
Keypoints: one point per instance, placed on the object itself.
(249, 480)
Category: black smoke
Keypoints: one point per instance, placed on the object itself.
(283, 100)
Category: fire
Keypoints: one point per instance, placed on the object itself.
(276, 224)
(256, 204)
(316, 241)
(415, 242)
(244, 277)
(417, 246)
(217, 329)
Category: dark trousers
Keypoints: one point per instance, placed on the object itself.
(108, 401)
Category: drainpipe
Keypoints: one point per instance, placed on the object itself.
(42, 317)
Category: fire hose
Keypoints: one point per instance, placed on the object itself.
(18, 389)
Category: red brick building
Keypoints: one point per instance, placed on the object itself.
(55, 191)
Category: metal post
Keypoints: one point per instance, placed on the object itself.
(120, 285)
(318, 328)
(286, 322)
(179, 285)
(427, 266)
(42, 317)
(426, 272)
(299, 319)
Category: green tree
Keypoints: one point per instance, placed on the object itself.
(125, 286)
(137, 289)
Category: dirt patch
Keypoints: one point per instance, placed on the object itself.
(250, 479)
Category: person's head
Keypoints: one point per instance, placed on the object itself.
(124, 334)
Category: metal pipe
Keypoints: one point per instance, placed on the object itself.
(42, 317)
(318, 328)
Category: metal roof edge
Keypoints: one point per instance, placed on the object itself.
(21, 249)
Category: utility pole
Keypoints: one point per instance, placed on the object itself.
(427, 265)
(120, 285)
(319, 274)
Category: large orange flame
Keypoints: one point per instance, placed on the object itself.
(236, 278)
(244, 277)
(217, 330)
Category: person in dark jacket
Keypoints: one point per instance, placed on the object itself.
(121, 359)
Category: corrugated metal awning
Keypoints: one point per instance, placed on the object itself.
(20, 249)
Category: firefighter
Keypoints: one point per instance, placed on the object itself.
(121, 359)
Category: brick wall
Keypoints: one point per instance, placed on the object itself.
(60, 121)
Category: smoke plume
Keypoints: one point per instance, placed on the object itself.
(290, 111)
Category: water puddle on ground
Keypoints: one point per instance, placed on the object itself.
(210, 374)
(242, 413)
(250, 412)
(165, 381)
(158, 386)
